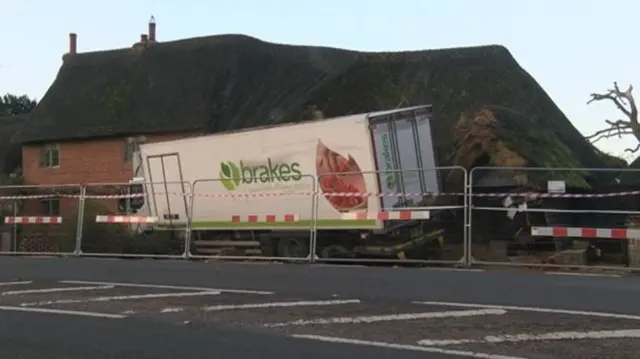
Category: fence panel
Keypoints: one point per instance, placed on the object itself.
(579, 218)
(135, 219)
(39, 219)
(259, 218)
(419, 216)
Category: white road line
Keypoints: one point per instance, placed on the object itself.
(513, 338)
(338, 265)
(172, 310)
(391, 317)
(65, 312)
(55, 290)
(120, 297)
(533, 309)
(2, 284)
(309, 303)
(584, 274)
(163, 286)
(417, 348)
(454, 269)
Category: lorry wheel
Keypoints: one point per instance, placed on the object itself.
(293, 247)
(334, 251)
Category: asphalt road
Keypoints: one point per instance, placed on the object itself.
(237, 310)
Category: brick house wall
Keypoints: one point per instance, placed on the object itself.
(80, 162)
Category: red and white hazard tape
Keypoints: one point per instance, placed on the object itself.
(386, 216)
(526, 195)
(534, 195)
(265, 218)
(125, 219)
(33, 220)
(42, 196)
(615, 233)
(131, 195)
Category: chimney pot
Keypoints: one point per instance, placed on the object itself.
(73, 43)
(144, 38)
(152, 29)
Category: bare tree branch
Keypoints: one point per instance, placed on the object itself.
(625, 102)
(634, 150)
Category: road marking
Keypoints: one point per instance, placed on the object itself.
(513, 338)
(391, 317)
(533, 309)
(584, 274)
(454, 269)
(65, 312)
(164, 286)
(2, 284)
(417, 348)
(120, 297)
(331, 265)
(171, 310)
(55, 290)
(309, 303)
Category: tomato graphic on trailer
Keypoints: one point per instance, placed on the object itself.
(340, 174)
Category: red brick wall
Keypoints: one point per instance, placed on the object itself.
(81, 162)
(96, 160)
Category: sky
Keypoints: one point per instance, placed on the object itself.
(572, 48)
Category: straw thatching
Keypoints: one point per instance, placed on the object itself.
(499, 137)
(228, 82)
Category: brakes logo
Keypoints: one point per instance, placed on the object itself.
(233, 174)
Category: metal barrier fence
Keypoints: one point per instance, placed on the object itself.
(227, 212)
(37, 220)
(412, 219)
(135, 220)
(490, 216)
(572, 223)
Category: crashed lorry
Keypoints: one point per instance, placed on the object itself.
(258, 185)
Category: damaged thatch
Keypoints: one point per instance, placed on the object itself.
(499, 137)
(228, 82)
(611, 160)
(631, 177)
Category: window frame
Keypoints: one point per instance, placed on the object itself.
(52, 208)
(47, 155)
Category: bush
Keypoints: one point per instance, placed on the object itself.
(122, 239)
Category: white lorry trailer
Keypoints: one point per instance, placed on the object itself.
(258, 184)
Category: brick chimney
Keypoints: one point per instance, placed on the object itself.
(73, 43)
(152, 29)
(144, 38)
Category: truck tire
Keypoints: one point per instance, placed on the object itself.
(293, 247)
(268, 247)
(334, 251)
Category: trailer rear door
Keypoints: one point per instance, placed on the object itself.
(166, 185)
(404, 155)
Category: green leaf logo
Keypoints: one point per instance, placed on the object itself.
(391, 181)
(229, 175)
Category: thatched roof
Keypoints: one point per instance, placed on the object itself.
(225, 82)
(632, 176)
(10, 149)
(212, 83)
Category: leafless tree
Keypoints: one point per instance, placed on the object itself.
(625, 102)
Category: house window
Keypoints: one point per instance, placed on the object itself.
(129, 149)
(50, 156)
(50, 207)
